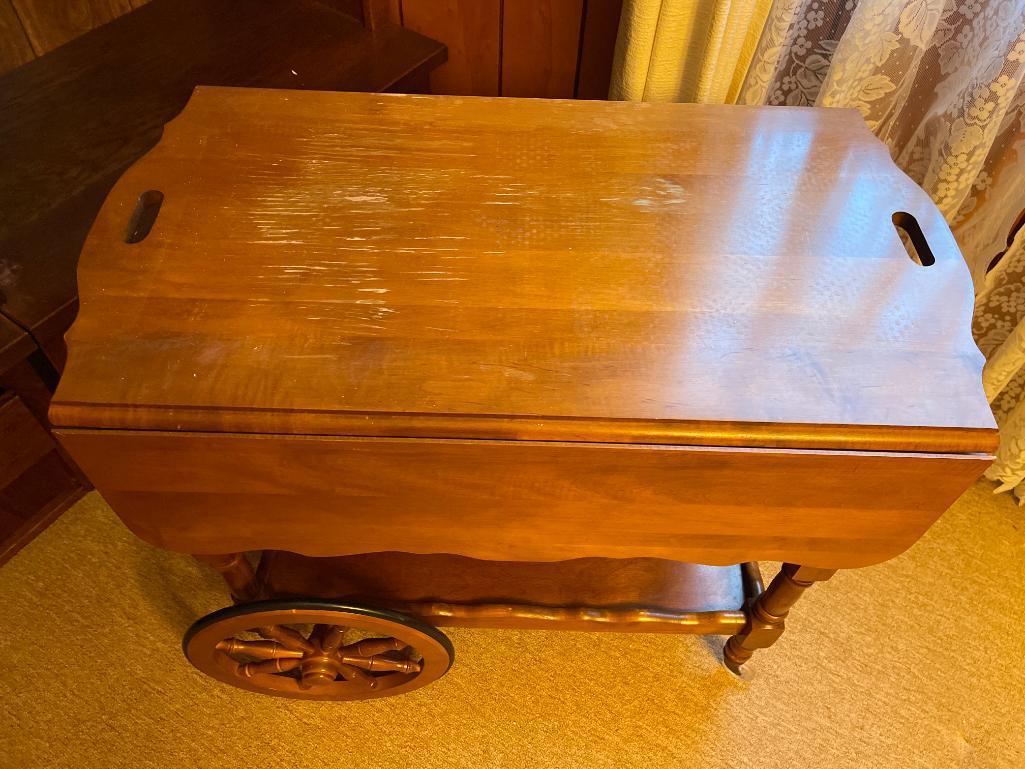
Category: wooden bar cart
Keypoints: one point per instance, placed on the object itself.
(397, 363)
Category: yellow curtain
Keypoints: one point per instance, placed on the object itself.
(685, 50)
(939, 81)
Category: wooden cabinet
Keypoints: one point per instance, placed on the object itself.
(472, 31)
(557, 49)
(36, 482)
(539, 48)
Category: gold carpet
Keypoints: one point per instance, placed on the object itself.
(915, 663)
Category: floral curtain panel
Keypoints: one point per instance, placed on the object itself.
(939, 81)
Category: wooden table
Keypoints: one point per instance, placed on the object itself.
(515, 363)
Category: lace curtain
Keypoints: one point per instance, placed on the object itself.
(939, 81)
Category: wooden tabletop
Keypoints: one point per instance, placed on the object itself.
(358, 264)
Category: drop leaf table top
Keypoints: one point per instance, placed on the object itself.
(523, 329)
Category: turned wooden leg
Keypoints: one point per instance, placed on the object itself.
(237, 572)
(766, 615)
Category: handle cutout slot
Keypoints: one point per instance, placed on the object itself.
(913, 238)
(145, 214)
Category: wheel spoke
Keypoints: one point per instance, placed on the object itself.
(356, 676)
(290, 639)
(251, 669)
(329, 637)
(381, 664)
(261, 650)
(368, 647)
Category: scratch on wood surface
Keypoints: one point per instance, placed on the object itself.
(366, 198)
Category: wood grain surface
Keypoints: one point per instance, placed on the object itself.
(51, 23)
(597, 48)
(332, 263)
(472, 32)
(540, 47)
(15, 48)
(518, 500)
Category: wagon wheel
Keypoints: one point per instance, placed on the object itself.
(318, 650)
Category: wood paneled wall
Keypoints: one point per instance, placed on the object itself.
(548, 48)
(545, 48)
(30, 28)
